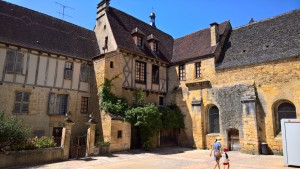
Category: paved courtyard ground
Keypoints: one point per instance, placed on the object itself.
(168, 158)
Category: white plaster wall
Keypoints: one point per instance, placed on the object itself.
(76, 74)
(60, 73)
(32, 69)
(42, 71)
(51, 72)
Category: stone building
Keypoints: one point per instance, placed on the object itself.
(233, 83)
(46, 70)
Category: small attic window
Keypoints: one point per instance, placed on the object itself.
(139, 41)
(153, 42)
(137, 35)
(155, 47)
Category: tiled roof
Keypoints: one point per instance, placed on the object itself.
(30, 29)
(122, 25)
(195, 45)
(263, 41)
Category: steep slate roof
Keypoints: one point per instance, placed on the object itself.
(263, 41)
(122, 25)
(30, 29)
(195, 45)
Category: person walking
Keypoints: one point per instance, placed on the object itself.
(225, 158)
(216, 148)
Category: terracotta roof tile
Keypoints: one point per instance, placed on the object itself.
(30, 29)
(195, 45)
(264, 41)
(122, 25)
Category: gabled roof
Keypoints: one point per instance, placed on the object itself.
(30, 29)
(195, 45)
(263, 41)
(122, 25)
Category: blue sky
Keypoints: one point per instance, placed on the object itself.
(175, 17)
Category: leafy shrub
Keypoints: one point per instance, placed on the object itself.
(171, 117)
(44, 142)
(12, 132)
(102, 143)
(148, 119)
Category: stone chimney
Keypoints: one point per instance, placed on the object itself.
(102, 7)
(214, 33)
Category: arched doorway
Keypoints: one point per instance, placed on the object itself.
(285, 110)
(233, 140)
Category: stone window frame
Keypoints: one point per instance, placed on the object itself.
(276, 121)
(21, 104)
(140, 72)
(14, 61)
(181, 72)
(84, 105)
(209, 129)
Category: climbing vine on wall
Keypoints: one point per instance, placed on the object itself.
(149, 118)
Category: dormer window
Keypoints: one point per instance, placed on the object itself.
(137, 35)
(153, 42)
(139, 41)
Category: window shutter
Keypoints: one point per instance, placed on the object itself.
(51, 103)
(18, 102)
(10, 60)
(19, 62)
(25, 103)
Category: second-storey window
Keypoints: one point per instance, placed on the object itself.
(68, 70)
(155, 74)
(14, 61)
(84, 73)
(21, 102)
(140, 72)
(198, 69)
(181, 72)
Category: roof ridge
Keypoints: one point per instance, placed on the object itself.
(141, 21)
(42, 14)
(190, 34)
(267, 19)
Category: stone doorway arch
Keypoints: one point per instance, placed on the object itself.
(234, 140)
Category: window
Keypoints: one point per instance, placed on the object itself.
(84, 105)
(21, 102)
(111, 64)
(285, 110)
(181, 72)
(68, 70)
(198, 69)
(155, 74)
(120, 133)
(105, 43)
(139, 41)
(155, 47)
(214, 126)
(14, 61)
(140, 72)
(58, 104)
(161, 100)
(84, 73)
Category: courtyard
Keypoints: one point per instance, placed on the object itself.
(168, 158)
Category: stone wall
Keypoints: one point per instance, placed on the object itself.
(38, 117)
(30, 157)
(269, 83)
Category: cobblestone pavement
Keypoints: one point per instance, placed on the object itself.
(168, 158)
